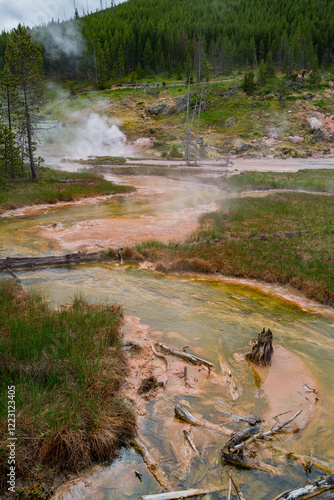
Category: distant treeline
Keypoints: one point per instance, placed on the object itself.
(164, 36)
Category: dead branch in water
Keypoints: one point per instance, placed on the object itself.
(229, 493)
(175, 495)
(248, 463)
(237, 488)
(261, 349)
(191, 358)
(191, 442)
(160, 355)
(153, 466)
(183, 414)
(262, 435)
(310, 490)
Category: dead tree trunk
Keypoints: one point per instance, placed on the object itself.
(261, 349)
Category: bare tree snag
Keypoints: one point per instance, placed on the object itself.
(261, 349)
(310, 490)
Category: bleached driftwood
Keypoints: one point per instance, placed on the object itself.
(191, 358)
(310, 490)
(229, 493)
(174, 495)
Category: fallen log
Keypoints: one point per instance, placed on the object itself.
(174, 495)
(261, 349)
(50, 260)
(184, 355)
(310, 490)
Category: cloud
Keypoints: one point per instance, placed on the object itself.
(36, 12)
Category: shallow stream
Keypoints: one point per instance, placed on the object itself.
(216, 319)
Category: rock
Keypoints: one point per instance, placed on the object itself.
(296, 138)
(155, 110)
(181, 103)
(315, 123)
(318, 136)
(230, 122)
(243, 148)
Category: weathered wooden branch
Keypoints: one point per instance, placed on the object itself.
(13, 275)
(237, 488)
(50, 260)
(153, 466)
(261, 435)
(261, 349)
(191, 358)
(160, 355)
(174, 495)
(191, 442)
(248, 463)
(183, 414)
(229, 493)
(310, 490)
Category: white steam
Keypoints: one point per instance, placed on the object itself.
(61, 39)
(83, 133)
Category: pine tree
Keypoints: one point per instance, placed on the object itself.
(25, 61)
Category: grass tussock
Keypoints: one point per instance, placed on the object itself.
(132, 255)
(284, 238)
(194, 265)
(68, 368)
(48, 189)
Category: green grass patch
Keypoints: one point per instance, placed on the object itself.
(284, 238)
(309, 180)
(49, 189)
(67, 366)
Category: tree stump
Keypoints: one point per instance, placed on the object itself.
(261, 349)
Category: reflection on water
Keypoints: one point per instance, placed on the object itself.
(216, 319)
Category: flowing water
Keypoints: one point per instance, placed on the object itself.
(216, 319)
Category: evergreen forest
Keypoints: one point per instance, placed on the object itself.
(147, 37)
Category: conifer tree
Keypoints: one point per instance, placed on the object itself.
(25, 61)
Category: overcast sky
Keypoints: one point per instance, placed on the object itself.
(33, 12)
